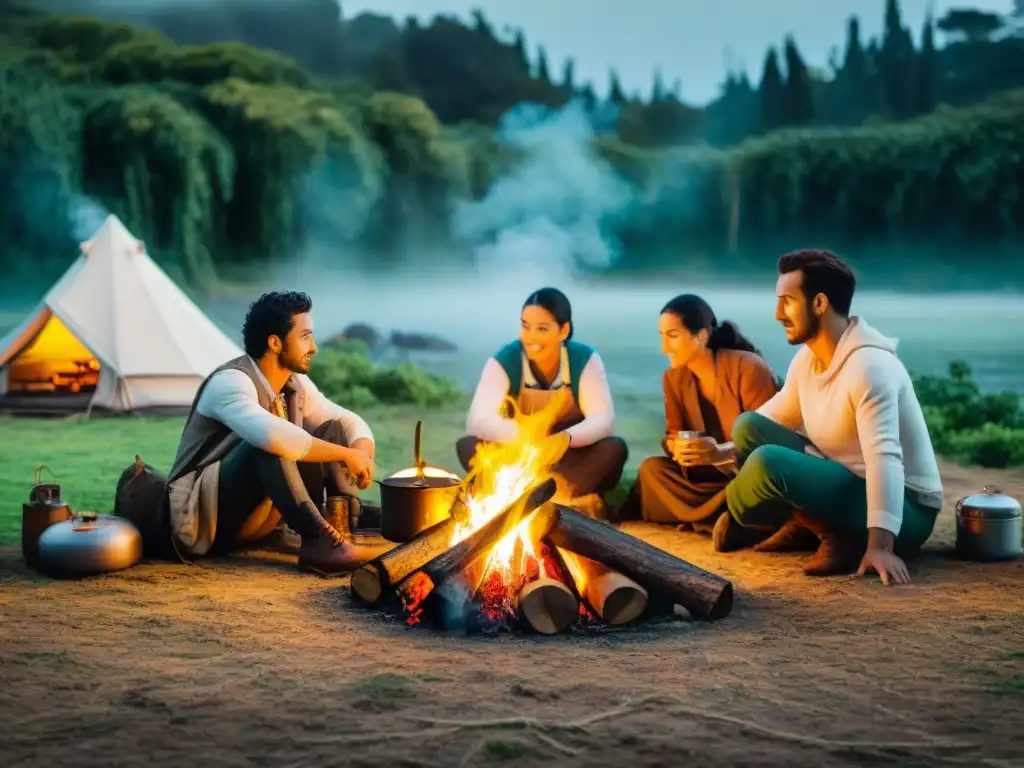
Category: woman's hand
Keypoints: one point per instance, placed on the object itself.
(703, 451)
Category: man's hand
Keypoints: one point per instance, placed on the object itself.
(887, 564)
(880, 558)
(703, 451)
(360, 464)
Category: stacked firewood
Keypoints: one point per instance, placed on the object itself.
(587, 567)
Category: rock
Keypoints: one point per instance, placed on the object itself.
(680, 613)
(361, 332)
(421, 341)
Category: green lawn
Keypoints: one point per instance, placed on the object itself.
(86, 456)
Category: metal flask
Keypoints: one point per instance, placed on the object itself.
(988, 526)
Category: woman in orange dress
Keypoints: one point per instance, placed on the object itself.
(715, 375)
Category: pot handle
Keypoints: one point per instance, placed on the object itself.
(417, 444)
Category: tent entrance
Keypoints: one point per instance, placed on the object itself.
(55, 361)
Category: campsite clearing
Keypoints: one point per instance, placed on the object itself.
(247, 661)
(114, 332)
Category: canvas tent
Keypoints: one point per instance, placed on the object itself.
(115, 331)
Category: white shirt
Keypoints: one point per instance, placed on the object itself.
(862, 412)
(486, 422)
(230, 397)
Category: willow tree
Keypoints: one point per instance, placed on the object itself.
(162, 167)
(40, 162)
(297, 155)
(424, 171)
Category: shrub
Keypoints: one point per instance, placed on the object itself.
(969, 426)
(346, 375)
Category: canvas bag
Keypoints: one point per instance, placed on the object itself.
(141, 498)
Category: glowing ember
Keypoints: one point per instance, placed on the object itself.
(500, 474)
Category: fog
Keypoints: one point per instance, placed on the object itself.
(547, 223)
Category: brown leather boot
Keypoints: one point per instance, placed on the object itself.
(727, 534)
(837, 554)
(282, 540)
(793, 536)
(334, 550)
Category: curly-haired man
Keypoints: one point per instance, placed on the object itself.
(263, 449)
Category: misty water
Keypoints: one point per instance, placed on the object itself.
(480, 313)
(620, 319)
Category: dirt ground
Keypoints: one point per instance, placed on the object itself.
(246, 662)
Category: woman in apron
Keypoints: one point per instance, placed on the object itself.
(715, 375)
(546, 370)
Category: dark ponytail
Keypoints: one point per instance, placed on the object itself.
(696, 315)
(728, 336)
(555, 303)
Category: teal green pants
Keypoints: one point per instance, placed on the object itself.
(776, 475)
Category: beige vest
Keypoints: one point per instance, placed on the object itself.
(194, 481)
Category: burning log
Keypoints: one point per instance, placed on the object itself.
(701, 592)
(547, 605)
(372, 582)
(428, 583)
(616, 598)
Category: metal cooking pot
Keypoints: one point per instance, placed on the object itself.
(414, 499)
(87, 545)
(988, 526)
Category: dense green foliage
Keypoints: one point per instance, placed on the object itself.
(346, 375)
(968, 426)
(470, 72)
(228, 158)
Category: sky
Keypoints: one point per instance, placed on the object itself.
(688, 39)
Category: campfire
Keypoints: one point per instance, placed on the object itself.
(515, 555)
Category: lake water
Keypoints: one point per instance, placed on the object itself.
(620, 320)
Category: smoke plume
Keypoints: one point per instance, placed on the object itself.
(551, 214)
(85, 217)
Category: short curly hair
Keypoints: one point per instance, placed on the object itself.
(271, 315)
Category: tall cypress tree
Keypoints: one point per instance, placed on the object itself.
(615, 94)
(926, 71)
(772, 93)
(658, 89)
(798, 89)
(542, 66)
(895, 64)
(519, 49)
(569, 76)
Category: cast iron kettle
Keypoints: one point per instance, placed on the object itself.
(988, 526)
(414, 499)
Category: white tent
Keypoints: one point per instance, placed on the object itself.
(116, 325)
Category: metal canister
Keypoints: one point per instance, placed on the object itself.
(988, 526)
(44, 509)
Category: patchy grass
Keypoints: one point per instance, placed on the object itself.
(86, 456)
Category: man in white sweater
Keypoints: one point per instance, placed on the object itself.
(263, 445)
(864, 480)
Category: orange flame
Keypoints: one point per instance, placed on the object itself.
(502, 472)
